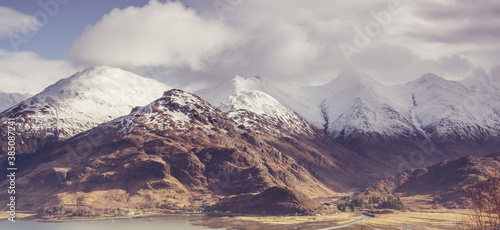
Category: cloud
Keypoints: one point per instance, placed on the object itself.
(158, 34)
(458, 9)
(12, 22)
(393, 64)
(24, 72)
(196, 44)
(294, 41)
(459, 21)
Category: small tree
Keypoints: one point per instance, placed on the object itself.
(484, 204)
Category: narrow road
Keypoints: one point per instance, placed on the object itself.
(349, 224)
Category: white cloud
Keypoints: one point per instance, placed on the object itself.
(158, 34)
(14, 24)
(291, 40)
(392, 64)
(23, 72)
(449, 38)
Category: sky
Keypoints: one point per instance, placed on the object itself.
(192, 44)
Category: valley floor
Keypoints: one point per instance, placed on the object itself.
(426, 219)
(423, 219)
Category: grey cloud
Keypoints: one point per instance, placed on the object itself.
(458, 21)
(457, 32)
(392, 64)
(458, 9)
(298, 41)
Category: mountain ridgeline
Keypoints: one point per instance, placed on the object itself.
(105, 137)
(447, 183)
(397, 127)
(76, 104)
(9, 99)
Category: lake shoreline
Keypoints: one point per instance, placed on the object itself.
(419, 219)
(215, 220)
(30, 216)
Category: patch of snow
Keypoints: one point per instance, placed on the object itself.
(266, 98)
(86, 99)
(354, 104)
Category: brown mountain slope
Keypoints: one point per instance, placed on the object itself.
(181, 152)
(445, 183)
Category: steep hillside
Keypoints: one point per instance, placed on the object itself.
(445, 183)
(78, 103)
(179, 151)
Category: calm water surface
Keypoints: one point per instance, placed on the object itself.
(168, 222)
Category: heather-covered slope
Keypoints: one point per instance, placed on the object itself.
(179, 151)
(445, 183)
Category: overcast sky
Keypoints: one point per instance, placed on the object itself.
(196, 43)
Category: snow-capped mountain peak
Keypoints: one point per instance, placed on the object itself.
(485, 89)
(217, 95)
(349, 77)
(430, 78)
(104, 84)
(84, 100)
(432, 82)
(182, 109)
(240, 83)
(354, 105)
(255, 95)
(235, 94)
(448, 110)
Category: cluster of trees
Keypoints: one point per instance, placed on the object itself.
(351, 205)
(70, 210)
(372, 202)
(392, 203)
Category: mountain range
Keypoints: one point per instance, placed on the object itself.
(76, 104)
(356, 106)
(9, 99)
(180, 151)
(105, 137)
(399, 127)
